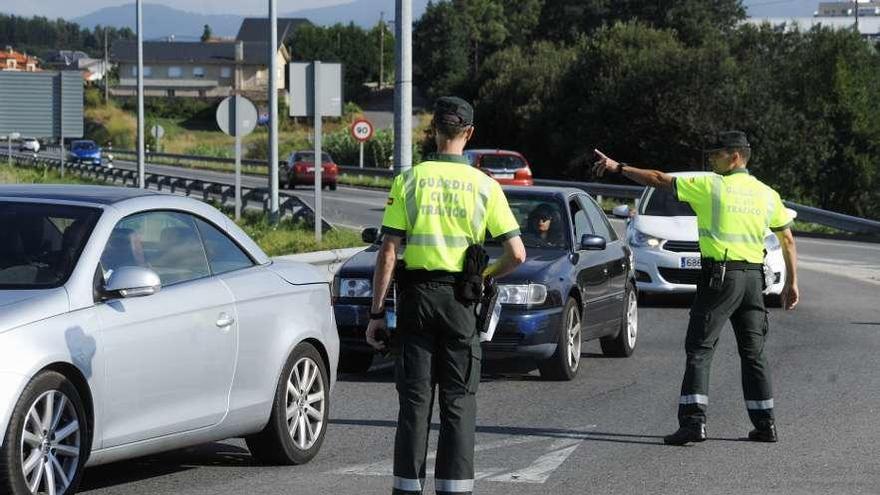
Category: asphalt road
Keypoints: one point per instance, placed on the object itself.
(601, 433)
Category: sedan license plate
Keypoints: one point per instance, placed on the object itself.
(310, 169)
(691, 262)
(503, 176)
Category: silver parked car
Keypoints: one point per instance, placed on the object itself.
(134, 322)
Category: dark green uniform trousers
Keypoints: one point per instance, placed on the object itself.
(438, 345)
(739, 299)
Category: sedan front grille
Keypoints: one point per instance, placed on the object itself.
(682, 246)
(680, 275)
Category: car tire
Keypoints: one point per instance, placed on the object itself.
(333, 186)
(624, 343)
(355, 362)
(51, 459)
(296, 426)
(563, 365)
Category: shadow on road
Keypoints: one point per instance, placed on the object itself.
(177, 461)
(666, 300)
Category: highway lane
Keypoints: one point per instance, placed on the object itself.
(601, 432)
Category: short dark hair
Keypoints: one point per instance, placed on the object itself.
(448, 130)
(744, 152)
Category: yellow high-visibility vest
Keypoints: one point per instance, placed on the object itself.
(441, 207)
(734, 212)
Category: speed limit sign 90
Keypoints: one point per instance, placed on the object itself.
(362, 130)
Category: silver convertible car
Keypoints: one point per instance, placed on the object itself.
(134, 322)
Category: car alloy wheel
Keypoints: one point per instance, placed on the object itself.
(632, 319)
(50, 444)
(574, 338)
(305, 403)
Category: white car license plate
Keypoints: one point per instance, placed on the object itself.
(310, 169)
(502, 176)
(691, 262)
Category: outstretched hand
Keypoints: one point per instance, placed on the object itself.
(604, 164)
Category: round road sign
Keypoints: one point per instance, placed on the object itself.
(233, 122)
(362, 130)
(157, 131)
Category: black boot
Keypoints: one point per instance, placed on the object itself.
(686, 434)
(764, 433)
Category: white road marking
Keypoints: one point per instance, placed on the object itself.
(537, 472)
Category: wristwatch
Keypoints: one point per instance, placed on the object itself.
(619, 169)
(378, 316)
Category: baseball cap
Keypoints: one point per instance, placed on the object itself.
(452, 110)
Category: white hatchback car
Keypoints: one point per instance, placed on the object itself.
(134, 322)
(663, 236)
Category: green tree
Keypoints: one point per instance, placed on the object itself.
(206, 33)
(439, 49)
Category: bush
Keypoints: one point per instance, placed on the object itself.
(345, 149)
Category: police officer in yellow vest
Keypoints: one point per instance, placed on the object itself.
(440, 207)
(734, 209)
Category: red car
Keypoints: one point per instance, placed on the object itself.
(300, 170)
(507, 167)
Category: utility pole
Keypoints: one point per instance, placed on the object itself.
(381, 49)
(273, 112)
(856, 2)
(403, 87)
(106, 70)
(140, 94)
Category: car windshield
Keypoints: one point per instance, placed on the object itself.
(664, 204)
(310, 157)
(541, 222)
(85, 146)
(502, 162)
(41, 243)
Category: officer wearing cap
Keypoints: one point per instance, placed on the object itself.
(441, 207)
(734, 209)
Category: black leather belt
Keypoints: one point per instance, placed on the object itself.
(422, 276)
(733, 264)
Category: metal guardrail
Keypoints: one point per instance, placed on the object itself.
(805, 213)
(221, 192)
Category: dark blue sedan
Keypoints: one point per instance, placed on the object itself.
(85, 151)
(577, 284)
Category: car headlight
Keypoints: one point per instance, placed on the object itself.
(771, 243)
(522, 294)
(355, 287)
(642, 240)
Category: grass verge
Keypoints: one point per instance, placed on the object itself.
(286, 237)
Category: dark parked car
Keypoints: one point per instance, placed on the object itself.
(577, 284)
(300, 170)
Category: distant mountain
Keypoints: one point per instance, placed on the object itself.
(364, 13)
(161, 21)
(781, 8)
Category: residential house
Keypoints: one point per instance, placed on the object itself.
(206, 69)
(13, 60)
(92, 69)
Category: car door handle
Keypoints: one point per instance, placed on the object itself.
(224, 320)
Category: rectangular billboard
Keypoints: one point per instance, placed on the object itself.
(41, 104)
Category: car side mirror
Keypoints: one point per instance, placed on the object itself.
(621, 211)
(370, 235)
(132, 281)
(590, 242)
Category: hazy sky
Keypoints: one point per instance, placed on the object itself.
(69, 9)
